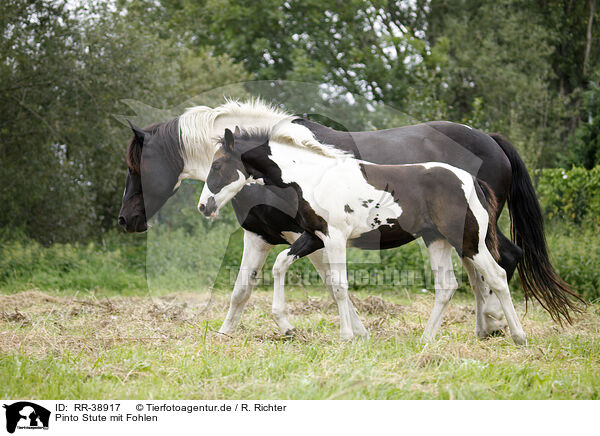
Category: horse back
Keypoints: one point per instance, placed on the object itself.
(438, 141)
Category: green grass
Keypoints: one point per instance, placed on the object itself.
(120, 319)
(176, 260)
(70, 346)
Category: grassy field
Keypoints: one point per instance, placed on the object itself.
(68, 345)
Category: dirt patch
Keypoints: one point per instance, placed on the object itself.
(26, 299)
(375, 305)
(458, 314)
(170, 311)
(371, 305)
(36, 323)
(15, 316)
(311, 305)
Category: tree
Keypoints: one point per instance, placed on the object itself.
(62, 152)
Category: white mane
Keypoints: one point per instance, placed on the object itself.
(197, 126)
(301, 137)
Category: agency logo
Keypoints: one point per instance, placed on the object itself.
(26, 415)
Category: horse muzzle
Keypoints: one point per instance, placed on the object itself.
(208, 209)
(134, 224)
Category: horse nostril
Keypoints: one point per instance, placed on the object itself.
(201, 207)
(122, 221)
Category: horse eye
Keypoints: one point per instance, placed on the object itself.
(216, 166)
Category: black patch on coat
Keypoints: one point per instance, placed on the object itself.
(255, 156)
(348, 209)
(306, 244)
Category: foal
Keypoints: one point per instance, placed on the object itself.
(339, 198)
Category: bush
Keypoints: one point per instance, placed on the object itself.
(570, 195)
(575, 253)
(114, 265)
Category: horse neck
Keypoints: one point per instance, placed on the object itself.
(198, 156)
(299, 165)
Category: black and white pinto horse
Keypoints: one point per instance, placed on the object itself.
(161, 156)
(340, 198)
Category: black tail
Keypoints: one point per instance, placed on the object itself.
(539, 277)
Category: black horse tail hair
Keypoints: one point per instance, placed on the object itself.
(491, 238)
(540, 279)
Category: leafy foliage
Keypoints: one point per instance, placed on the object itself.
(61, 150)
(528, 70)
(570, 195)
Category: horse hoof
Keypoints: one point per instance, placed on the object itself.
(290, 332)
(519, 338)
(483, 334)
(424, 340)
(362, 335)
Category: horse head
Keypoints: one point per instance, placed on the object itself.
(155, 163)
(231, 170)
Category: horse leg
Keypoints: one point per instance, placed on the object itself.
(489, 311)
(510, 254)
(489, 317)
(303, 246)
(253, 258)
(440, 254)
(495, 276)
(337, 279)
(318, 260)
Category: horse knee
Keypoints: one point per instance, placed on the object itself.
(444, 296)
(281, 264)
(445, 290)
(492, 273)
(339, 292)
(498, 282)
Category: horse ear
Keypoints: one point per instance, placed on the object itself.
(228, 141)
(237, 131)
(137, 132)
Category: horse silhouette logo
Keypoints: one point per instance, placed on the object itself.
(26, 415)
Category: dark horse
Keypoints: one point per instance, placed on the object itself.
(160, 156)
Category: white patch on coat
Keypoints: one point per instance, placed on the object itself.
(331, 184)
